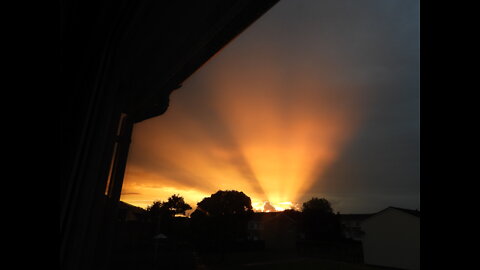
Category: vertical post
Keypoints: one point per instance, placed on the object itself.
(113, 190)
(119, 158)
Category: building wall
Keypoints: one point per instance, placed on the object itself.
(351, 229)
(279, 232)
(279, 236)
(392, 238)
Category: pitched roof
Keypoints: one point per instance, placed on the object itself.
(408, 211)
(132, 208)
(415, 213)
(262, 215)
(346, 217)
(268, 216)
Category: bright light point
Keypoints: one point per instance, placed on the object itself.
(273, 206)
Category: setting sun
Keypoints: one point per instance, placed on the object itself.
(274, 206)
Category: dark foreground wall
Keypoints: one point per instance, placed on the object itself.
(120, 60)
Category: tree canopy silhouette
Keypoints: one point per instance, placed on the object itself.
(173, 206)
(317, 205)
(176, 205)
(221, 219)
(156, 210)
(225, 203)
(162, 213)
(319, 221)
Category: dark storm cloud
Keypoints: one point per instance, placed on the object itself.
(375, 44)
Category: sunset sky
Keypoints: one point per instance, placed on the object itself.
(315, 99)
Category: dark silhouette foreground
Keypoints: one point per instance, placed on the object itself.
(223, 232)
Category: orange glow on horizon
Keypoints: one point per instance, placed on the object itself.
(281, 206)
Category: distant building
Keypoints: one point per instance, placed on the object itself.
(351, 228)
(256, 225)
(276, 229)
(128, 212)
(392, 238)
(132, 228)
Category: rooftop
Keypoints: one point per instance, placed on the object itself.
(408, 211)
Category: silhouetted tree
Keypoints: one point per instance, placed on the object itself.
(225, 203)
(221, 219)
(319, 221)
(161, 213)
(176, 205)
(156, 210)
(317, 205)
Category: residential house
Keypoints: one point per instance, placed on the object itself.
(132, 228)
(351, 228)
(392, 238)
(276, 229)
(128, 212)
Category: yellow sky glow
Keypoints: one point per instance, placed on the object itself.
(255, 131)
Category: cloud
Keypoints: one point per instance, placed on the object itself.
(268, 207)
(130, 193)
